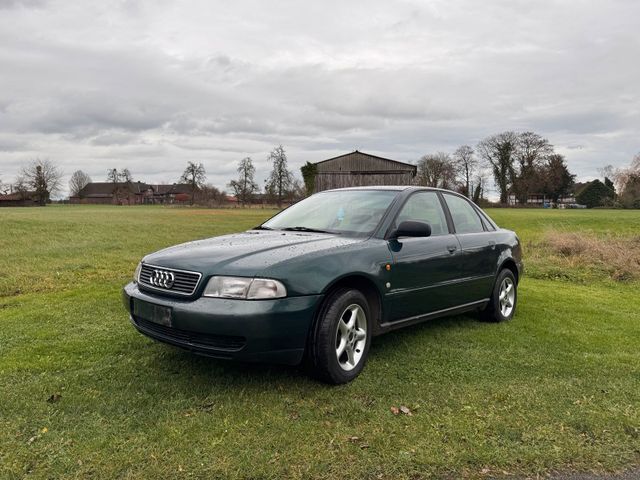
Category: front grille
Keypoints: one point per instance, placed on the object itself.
(183, 282)
(195, 340)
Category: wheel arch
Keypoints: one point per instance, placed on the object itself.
(363, 284)
(356, 281)
(510, 264)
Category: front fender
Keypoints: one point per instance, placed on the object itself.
(316, 272)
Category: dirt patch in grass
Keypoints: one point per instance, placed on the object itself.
(614, 256)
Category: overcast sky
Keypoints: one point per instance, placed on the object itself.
(150, 85)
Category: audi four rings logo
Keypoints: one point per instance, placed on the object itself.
(162, 278)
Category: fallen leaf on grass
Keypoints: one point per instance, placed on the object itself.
(364, 446)
(54, 398)
(406, 410)
(354, 439)
(294, 415)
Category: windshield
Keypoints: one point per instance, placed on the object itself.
(356, 212)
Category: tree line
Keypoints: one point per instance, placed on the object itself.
(621, 187)
(521, 164)
(281, 184)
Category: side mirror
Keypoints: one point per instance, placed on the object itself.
(412, 229)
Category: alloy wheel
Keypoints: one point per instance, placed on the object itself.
(351, 337)
(507, 297)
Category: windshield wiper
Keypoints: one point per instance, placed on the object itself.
(261, 227)
(304, 229)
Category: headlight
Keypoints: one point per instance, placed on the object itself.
(136, 274)
(244, 288)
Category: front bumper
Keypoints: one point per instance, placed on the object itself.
(273, 331)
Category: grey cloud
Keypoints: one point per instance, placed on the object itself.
(151, 85)
(114, 138)
(9, 4)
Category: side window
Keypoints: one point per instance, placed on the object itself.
(424, 207)
(465, 217)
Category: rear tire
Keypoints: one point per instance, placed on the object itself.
(504, 298)
(339, 346)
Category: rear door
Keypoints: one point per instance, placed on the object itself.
(425, 270)
(479, 253)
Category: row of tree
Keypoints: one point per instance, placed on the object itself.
(521, 164)
(281, 184)
(621, 192)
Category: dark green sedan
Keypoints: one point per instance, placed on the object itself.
(317, 281)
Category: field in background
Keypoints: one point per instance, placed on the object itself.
(84, 395)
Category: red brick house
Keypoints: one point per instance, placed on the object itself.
(19, 199)
(129, 193)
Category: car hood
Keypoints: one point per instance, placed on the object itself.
(245, 254)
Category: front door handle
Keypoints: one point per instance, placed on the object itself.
(452, 248)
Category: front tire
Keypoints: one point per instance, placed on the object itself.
(504, 297)
(342, 337)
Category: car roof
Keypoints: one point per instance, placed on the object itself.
(397, 188)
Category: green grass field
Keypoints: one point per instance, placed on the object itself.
(83, 395)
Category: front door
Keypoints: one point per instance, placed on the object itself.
(425, 271)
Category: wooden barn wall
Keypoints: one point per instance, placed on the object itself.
(326, 181)
(358, 162)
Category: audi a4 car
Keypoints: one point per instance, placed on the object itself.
(319, 280)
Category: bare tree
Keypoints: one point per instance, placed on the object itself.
(607, 171)
(628, 181)
(280, 179)
(121, 181)
(125, 176)
(245, 186)
(78, 181)
(113, 176)
(532, 149)
(298, 190)
(195, 176)
(531, 152)
(466, 164)
(43, 177)
(498, 152)
(210, 196)
(436, 170)
(20, 186)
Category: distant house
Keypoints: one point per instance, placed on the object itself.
(19, 199)
(357, 169)
(175, 193)
(539, 199)
(131, 193)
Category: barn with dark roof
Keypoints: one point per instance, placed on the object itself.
(358, 169)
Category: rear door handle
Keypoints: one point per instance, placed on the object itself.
(451, 248)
